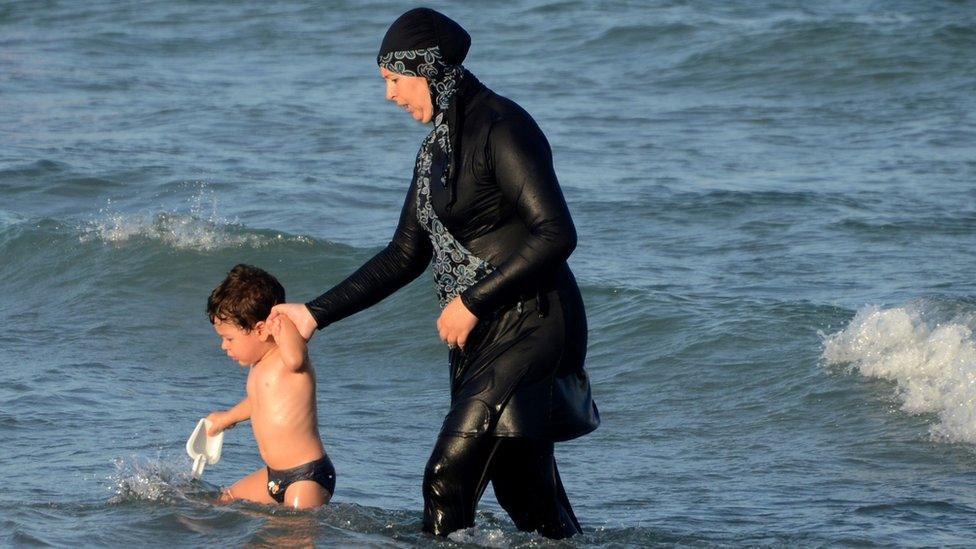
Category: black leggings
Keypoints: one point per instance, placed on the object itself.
(522, 472)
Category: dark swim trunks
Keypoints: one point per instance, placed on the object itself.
(320, 471)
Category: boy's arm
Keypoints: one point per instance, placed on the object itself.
(291, 345)
(226, 419)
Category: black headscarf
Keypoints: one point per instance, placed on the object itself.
(422, 28)
(424, 42)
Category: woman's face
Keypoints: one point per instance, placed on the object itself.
(409, 92)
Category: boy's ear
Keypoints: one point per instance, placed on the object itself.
(261, 327)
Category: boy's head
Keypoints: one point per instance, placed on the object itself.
(238, 307)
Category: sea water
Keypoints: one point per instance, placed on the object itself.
(776, 205)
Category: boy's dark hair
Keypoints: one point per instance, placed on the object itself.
(245, 297)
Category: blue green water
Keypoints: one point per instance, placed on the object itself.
(776, 205)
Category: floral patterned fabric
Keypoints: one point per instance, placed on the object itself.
(455, 268)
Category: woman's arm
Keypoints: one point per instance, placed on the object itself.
(404, 259)
(522, 161)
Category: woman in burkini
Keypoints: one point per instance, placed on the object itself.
(485, 206)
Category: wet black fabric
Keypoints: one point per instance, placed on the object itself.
(509, 210)
(523, 475)
(521, 372)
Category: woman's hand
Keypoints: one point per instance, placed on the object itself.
(291, 345)
(455, 323)
(299, 314)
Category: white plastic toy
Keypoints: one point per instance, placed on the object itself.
(203, 449)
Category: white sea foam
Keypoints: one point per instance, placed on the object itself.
(182, 231)
(933, 364)
(480, 536)
(196, 227)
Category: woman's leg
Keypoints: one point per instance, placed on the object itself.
(524, 476)
(454, 480)
(528, 487)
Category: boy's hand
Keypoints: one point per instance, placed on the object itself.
(274, 326)
(218, 422)
(292, 346)
(279, 325)
(299, 314)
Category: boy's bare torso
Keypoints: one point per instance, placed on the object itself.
(283, 412)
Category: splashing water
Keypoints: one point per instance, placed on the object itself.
(198, 228)
(178, 230)
(934, 366)
(481, 536)
(140, 478)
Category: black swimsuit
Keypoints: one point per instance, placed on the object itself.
(320, 471)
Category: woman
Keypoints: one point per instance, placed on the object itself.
(485, 205)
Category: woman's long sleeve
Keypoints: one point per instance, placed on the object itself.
(402, 260)
(522, 162)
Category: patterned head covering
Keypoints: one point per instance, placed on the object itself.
(424, 42)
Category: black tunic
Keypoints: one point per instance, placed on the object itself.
(521, 373)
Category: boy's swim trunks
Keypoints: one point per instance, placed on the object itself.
(320, 471)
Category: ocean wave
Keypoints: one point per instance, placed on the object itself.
(52, 178)
(817, 54)
(179, 231)
(629, 36)
(116, 253)
(558, 7)
(726, 199)
(184, 232)
(692, 206)
(195, 226)
(35, 169)
(927, 349)
(946, 223)
(957, 34)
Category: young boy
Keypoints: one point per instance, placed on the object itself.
(280, 399)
